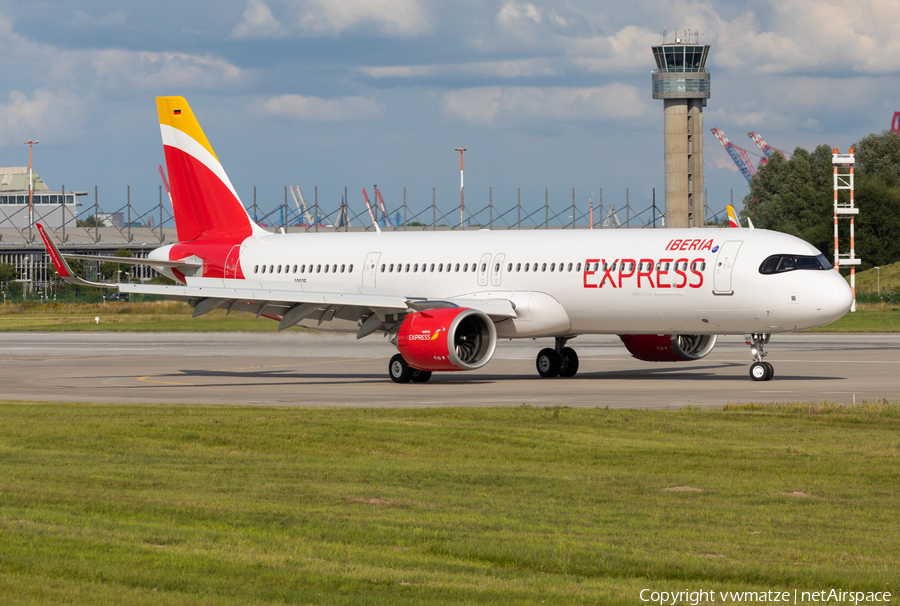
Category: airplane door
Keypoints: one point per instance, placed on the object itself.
(232, 262)
(497, 270)
(484, 269)
(724, 266)
(370, 269)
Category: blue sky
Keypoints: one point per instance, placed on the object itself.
(352, 93)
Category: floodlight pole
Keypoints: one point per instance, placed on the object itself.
(462, 205)
(30, 145)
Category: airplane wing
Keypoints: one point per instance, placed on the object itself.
(291, 302)
(62, 268)
(288, 302)
(136, 261)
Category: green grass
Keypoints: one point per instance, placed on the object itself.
(104, 504)
(162, 316)
(873, 317)
(868, 281)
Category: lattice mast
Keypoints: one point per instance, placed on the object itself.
(843, 181)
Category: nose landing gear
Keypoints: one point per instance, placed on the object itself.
(561, 361)
(759, 370)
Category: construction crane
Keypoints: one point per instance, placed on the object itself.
(765, 147)
(895, 123)
(739, 155)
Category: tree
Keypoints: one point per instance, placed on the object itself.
(796, 196)
(110, 270)
(91, 221)
(8, 273)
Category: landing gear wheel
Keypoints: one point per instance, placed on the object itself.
(399, 370)
(759, 371)
(419, 376)
(548, 363)
(770, 373)
(568, 362)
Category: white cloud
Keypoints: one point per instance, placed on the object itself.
(495, 105)
(518, 68)
(90, 72)
(512, 12)
(302, 107)
(43, 115)
(258, 22)
(322, 18)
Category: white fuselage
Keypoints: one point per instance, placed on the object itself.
(685, 281)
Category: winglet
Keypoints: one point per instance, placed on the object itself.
(62, 267)
(732, 219)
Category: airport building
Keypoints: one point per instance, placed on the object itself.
(682, 82)
(51, 208)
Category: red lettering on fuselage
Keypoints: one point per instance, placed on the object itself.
(607, 273)
(628, 268)
(662, 270)
(622, 274)
(589, 272)
(646, 274)
(684, 278)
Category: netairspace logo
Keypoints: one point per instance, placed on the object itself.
(824, 596)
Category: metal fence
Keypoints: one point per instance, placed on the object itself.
(86, 222)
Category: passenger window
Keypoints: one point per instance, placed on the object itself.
(449, 267)
(382, 267)
(334, 268)
(570, 267)
(271, 269)
(326, 268)
(457, 267)
(527, 265)
(509, 267)
(295, 269)
(483, 266)
(441, 267)
(342, 268)
(553, 267)
(466, 267)
(518, 267)
(350, 269)
(578, 267)
(391, 268)
(416, 267)
(432, 267)
(496, 267)
(613, 267)
(256, 269)
(544, 267)
(318, 269)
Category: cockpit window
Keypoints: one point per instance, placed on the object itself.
(777, 264)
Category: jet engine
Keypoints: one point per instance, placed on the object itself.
(447, 339)
(669, 348)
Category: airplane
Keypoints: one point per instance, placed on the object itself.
(444, 299)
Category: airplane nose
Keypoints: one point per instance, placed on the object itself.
(835, 300)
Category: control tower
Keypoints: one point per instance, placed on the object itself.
(682, 82)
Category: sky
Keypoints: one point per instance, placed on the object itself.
(330, 94)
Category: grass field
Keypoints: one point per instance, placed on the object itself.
(169, 316)
(162, 316)
(110, 504)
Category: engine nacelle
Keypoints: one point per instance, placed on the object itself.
(669, 348)
(448, 338)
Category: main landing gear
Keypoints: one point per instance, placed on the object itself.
(401, 372)
(759, 370)
(561, 361)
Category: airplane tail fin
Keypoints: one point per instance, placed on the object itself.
(732, 219)
(204, 201)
